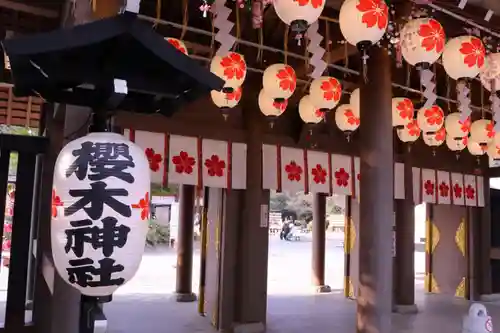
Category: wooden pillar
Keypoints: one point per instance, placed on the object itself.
(318, 243)
(374, 300)
(185, 237)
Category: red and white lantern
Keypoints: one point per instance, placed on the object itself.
(354, 100)
(482, 131)
(464, 57)
(435, 139)
(226, 99)
(309, 113)
(422, 41)
(493, 150)
(476, 148)
(346, 118)
(363, 22)
(456, 144)
(270, 107)
(491, 72)
(299, 14)
(178, 44)
(232, 68)
(402, 111)
(325, 92)
(279, 81)
(431, 119)
(410, 133)
(455, 127)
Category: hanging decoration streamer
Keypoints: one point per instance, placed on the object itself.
(426, 76)
(495, 106)
(224, 27)
(316, 50)
(463, 100)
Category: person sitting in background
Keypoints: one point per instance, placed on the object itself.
(285, 229)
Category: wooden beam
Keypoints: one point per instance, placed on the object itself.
(20, 7)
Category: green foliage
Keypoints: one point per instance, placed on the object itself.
(17, 130)
(159, 190)
(157, 234)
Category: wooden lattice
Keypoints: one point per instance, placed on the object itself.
(19, 111)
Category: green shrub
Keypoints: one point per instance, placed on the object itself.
(157, 234)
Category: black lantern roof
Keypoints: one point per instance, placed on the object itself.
(79, 65)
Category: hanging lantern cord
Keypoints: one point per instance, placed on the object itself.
(363, 48)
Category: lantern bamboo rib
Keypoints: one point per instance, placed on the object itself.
(296, 56)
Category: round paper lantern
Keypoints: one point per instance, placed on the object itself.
(99, 214)
(410, 132)
(232, 68)
(431, 119)
(482, 131)
(325, 92)
(226, 100)
(493, 150)
(299, 14)
(402, 111)
(308, 112)
(354, 100)
(269, 107)
(456, 144)
(363, 22)
(279, 81)
(346, 119)
(422, 41)
(463, 57)
(491, 71)
(476, 148)
(178, 44)
(435, 139)
(455, 127)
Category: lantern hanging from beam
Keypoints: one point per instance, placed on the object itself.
(410, 133)
(434, 139)
(270, 107)
(231, 67)
(325, 92)
(475, 148)
(464, 57)
(490, 73)
(226, 100)
(482, 132)
(309, 113)
(422, 41)
(346, 118)
(108, 209)
(456, 144)
(178, 44)
(430, 120)
(455, 127)
(279, 81)
(402, 112)
(299, 14)
(354, 100)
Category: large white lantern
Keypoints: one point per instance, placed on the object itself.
(178, 44)
(355, 101)
(455, 127)
(482, 131)
(476, 148)
(269, 107)
(491, 71)
(279, 81)
(422, 41)
(325, 92)
(456, 144)
(226, 99)
(493, 151)
(435, 139)
(299, 14)
(100, 212)
(346, 118)
(232, 68)
(402, 111)
(410, 133)
(309, 113)
(431, 119)
(463, 57)
(363, 22)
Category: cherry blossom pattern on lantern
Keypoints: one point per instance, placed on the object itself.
(405, 108)
(287, 78)
(294, 171)
(490, 128)
(234, 66)
(433, 36)
(413, 129)
(473, 52)
(319, 174)
(183, 163)
(444, 190)
(154, 159)
(465, 125)
(351, 117)
(429, 187)
(440, 135)
(342, 177)
(319, 113)
(215, 166)
(434, 115)
(175, 43)
(143, 205)
(56, 202)
(235, 95)
(331, 89)
(375, 13)
(457, 191)
(314, 3)
(470, 192)
(280, 105)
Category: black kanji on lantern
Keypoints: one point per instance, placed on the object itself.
(84, 273)
(96, 197)
(108, 237)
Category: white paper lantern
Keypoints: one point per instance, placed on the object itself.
(363, 21)
(455, 127)
(308, 112)
(491, 71)
(422, 41)
(402, 111)
(431, 119)
(354, 101)
(475, 148)
(493, 150)
(482, 131)
(435, 139)
(325, 92)
(456, 144)
(100, 212)
(463, 57)
(410, 132)
(232, 68)
(269, 107)
(226, 100)
(178, 44)
(346, 119)
(279, 81)
(299, 14)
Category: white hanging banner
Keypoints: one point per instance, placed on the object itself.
(293, 168)
(184, 161)
(444, 187)
(215, 164)
(457, 189)
(271, 164)
(470, 190)
(342, 174)
(428, 186)
(319, 172)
